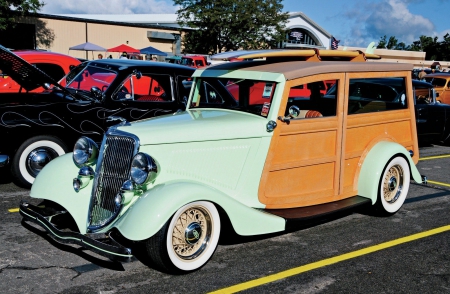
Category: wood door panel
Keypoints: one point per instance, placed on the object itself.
(307, 185)
(305, 146)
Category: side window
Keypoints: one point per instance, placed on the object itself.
(423, 95)
(312, 100)
(376, 94)
(53, 70)
(148, 88)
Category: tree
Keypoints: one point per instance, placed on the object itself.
(10, 9)
(224, 25)
(382, 43)
(392, 43)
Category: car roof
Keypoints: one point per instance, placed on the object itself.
(297, 69)
(31, 53)
(133, 63)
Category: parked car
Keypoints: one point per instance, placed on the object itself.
(432, 117)
(441, 83)
(42, 126)
(195, 61)
(174, 182)
(54, 64)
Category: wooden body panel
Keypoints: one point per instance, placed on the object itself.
(317, 160)
(303, 164)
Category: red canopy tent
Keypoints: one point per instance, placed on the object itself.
(123, 48)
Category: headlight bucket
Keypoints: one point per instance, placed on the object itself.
(85, 152)
(143, 169)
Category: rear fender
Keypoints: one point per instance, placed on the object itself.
(373, 166)
(156, 206)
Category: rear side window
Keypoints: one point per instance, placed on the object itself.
(376, 94)
(438, 82)
(313, 100)
(53, 70)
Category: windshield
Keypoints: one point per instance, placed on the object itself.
(242, 95)
(91, 76)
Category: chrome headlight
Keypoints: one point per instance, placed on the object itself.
(143, 168)
(85, 152)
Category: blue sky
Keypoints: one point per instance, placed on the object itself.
(353, 22)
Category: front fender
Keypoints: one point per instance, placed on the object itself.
(156, 206)
(373, 166)
(54, 183)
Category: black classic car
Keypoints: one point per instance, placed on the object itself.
(432, 117)
(37, 127)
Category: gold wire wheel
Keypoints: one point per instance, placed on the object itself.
(191, 233)
(393, 183)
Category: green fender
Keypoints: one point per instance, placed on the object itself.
(374, 164)
(157, 205)
(54, 183)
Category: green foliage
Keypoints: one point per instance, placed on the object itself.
(224, 25)
(382, 43)
(434, 50)
(11, 9)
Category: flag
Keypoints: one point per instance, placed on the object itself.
(334, 43)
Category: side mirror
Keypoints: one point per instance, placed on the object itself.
(138, 74)
(294, 111)
(97, 93)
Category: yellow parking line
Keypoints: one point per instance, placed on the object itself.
(434, 157)
(328, 261)
(439, 183)
(17, 209)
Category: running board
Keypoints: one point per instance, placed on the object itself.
(317, 211)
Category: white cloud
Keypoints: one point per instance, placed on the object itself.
(387, 17)
(107, 6)
(392, 18)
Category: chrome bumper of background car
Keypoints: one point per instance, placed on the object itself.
(4, 159)
(105, 246)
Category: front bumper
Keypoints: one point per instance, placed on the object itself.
(101, 244)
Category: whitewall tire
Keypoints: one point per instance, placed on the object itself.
(394, 185)
(32, 156)
(188, 240)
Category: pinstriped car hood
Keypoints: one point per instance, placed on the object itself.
(197, 126)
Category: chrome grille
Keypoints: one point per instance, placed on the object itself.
(113, 169)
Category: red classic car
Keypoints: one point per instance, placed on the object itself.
(56, 65)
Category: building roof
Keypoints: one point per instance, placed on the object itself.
(310, 21)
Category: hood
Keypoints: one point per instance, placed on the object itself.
(25, 74)
(198, 125)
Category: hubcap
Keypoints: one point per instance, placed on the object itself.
(191, 233)
(38, 158)
(393, 184)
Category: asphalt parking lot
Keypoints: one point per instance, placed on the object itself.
(354, 253)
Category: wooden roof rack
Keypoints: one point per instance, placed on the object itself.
(314, 55)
